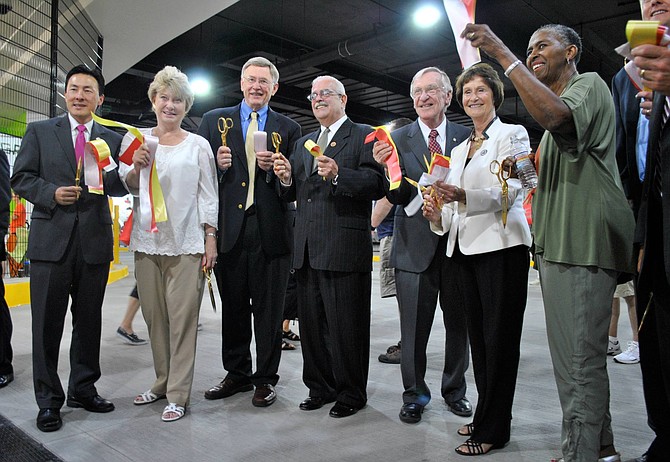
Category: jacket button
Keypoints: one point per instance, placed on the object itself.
(244, 184)
(240, 206)
(309, 200)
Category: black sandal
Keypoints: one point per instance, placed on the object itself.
(469, 429)
(287, 346)
(289, 334)
(474, 448)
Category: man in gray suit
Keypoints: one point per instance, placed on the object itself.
(333, 250)
(70, 247)
(419, 255)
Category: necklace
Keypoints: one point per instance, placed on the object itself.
(477, 141)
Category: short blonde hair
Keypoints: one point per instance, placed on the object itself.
(171, 78)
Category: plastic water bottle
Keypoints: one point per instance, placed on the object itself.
(524, 165)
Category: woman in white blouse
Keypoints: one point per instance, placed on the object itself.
(490, 258)
(169, 260)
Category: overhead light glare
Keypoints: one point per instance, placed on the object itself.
(426, 16)
(200, 86)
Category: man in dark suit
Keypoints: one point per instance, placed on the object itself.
(6, 369)
(254, 226)
(419, 255)
(653, 233)
(70, 246)
(333, 250)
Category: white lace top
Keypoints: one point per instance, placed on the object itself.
(187, 175)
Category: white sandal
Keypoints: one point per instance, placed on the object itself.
(147, 397)
(172, 412)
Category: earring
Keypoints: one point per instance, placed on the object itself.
(567, 60)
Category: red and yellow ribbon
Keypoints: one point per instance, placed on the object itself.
(382, 133)
(97, 157)
(152, 190)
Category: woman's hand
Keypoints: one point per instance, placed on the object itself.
(449, 192)
(210, 255)
(431, 211)
(141, 157)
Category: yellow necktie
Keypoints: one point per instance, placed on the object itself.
(251, 157)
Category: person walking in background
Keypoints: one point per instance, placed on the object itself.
(383, 216)
(69, 247)
(125, 330)
(333, 249)
(631, 355)
(254, 239)
(169, 263)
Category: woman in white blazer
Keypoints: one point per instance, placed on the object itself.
(490, 258)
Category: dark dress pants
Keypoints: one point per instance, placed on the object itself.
(251, 284)
(494, 289)
(334, 313)
(654, 339)
(6, 354)
(51, 285)
(417, 295)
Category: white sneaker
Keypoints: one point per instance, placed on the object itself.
(614, 347)
(630, 356)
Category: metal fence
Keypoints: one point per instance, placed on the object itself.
(40, 40)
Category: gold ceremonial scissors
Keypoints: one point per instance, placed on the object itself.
(276, 141)
(224, 124)
(77, 177)
(503, 175)
(208, 276)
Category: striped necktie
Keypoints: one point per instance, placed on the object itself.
(433, 145)
(658, 155)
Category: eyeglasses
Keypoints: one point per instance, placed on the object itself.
(253, 80)
(430, 90)
(324, 94)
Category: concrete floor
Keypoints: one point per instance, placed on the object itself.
(233, 430)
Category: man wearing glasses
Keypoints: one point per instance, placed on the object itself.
(334, 184)
(419, 256)
(253, 243)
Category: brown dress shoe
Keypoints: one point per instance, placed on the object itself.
(227, 387)
(264, 395)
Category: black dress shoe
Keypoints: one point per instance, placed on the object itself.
(264, 395)
(312, 403)
(48, 420)
(342, 410)
(411, 413)
(460, 407)
(6, 379)
(227, 387)
(94, 403)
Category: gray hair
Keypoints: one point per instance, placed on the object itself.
(259, 61)
(446, 83)
(338, 85)
(171, 78)
(566, 35)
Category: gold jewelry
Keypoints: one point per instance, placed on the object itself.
(477, 141)
(642, 73)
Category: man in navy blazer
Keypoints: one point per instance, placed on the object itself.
(333, 250)
(254, 236)
(70, 247)
(419, 255)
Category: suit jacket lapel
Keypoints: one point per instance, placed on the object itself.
(339, 140)
(64, 135)
(272, 125)
(418, 146)
(307, 157)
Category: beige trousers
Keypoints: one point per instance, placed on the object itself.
(170, 290)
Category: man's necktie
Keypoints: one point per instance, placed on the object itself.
(251, 157)
(80, 143)
(433, 145)
(323, 144)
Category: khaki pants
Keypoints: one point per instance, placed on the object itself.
(578, 307)
(170, 289)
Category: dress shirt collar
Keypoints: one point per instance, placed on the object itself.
(334, 127)
(245, 113)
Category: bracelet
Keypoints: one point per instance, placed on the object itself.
(210, 234)
(511, 67)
